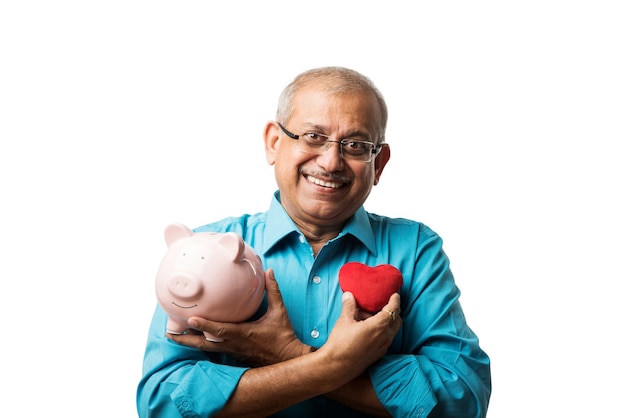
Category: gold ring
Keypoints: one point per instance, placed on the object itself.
(392, 314)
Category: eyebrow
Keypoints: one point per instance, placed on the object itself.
(321, 130)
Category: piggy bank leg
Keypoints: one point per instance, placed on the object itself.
(212, 338)
(175, 326)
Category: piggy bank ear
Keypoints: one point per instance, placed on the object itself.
(176, 232)
(234, 245)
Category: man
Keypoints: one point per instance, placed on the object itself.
(310, 352)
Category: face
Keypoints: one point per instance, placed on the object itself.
(324, 191)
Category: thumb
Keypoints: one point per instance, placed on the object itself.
(348, 302)
(271, 287)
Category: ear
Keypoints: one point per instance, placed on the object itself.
(381, 161)
(271, 136)
(176, 232)
(234, 245)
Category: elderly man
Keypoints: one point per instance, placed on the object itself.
(310, 352)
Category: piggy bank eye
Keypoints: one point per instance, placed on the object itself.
(202, 258)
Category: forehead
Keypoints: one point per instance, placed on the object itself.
(353, 109)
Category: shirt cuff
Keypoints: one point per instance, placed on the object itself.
(206, 388)
(402, 387)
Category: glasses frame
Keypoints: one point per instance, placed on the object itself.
(342, 142)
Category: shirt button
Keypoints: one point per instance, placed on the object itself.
(317, 280)
(302, 239)
(315, 333)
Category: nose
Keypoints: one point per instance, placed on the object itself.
(331, 158)
(184, 286)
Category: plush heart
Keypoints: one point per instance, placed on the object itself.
(371, 286)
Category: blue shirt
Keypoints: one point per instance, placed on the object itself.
(434, 366)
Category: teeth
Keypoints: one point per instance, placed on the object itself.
(323, 183)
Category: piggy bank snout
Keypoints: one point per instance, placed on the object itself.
(184, 286)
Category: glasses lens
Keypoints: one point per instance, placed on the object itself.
(357, 150)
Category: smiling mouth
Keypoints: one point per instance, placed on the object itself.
(184, 307)
(328, 184)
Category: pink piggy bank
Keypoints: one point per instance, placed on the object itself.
(216, 276)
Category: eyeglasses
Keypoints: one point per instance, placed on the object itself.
(349, 149)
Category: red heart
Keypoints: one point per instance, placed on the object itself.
(371, 286)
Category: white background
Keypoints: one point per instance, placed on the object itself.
(507, 132)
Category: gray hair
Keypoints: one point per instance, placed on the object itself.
(336, 80)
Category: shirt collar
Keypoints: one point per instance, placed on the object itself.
(279, 225)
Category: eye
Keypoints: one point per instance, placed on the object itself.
(356, 147)
(313, 138)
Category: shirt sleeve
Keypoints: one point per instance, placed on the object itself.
(446, 373)
(179, 381)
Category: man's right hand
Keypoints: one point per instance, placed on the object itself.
(268, 340)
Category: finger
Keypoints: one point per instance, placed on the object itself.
(191, 331)
(391, 311)
(392, 314)
(394, 303)
(214, 331)
(271, 287)
(194, 340)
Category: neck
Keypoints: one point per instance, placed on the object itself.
(318, 238)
